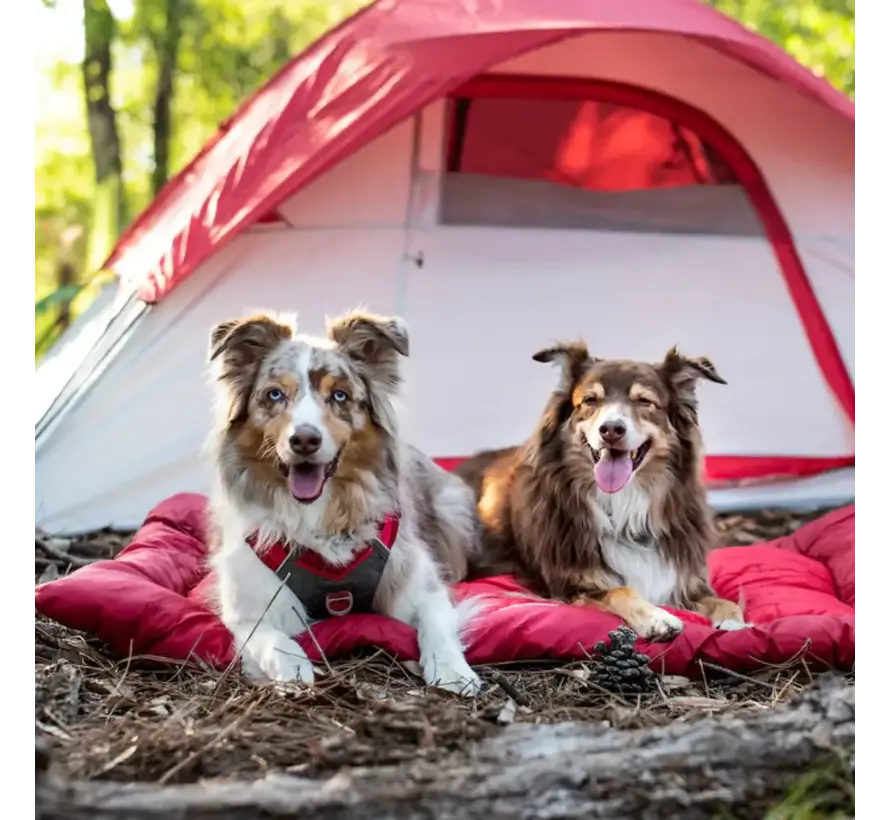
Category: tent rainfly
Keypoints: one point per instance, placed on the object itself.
(638, 173)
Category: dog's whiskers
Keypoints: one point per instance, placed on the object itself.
(267, 449)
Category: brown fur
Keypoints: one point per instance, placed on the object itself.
(253, 362)
(245, 343)
(534, 500)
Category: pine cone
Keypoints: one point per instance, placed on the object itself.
(620, 669)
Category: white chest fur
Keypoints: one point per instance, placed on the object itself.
(625, 540)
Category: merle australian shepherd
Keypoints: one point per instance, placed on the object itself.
(604, 504)
(319, 508)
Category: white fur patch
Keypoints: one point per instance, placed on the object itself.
(731, 625)
(308, 409)
(622, 521)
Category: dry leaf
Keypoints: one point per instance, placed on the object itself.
(117, 760)
(698, 703)
(582, 673)
(669, 682)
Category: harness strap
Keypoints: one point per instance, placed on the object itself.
(325, 589)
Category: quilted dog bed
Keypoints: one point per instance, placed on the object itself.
(798, 592)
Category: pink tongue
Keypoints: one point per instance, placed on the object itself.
(306, 483)
(612, 474)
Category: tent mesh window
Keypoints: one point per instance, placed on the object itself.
(585, 165)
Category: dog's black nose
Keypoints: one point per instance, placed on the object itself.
(612, 432)
(306, 440)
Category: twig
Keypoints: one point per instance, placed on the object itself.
(314, 641)
(704, 678)
(225, 731)
(793, 661)
(738, 675)
(510, 689)
(781, 693)
(65, 557)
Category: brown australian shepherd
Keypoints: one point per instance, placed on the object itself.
(604, 504)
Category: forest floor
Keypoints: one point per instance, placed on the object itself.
(104, 719)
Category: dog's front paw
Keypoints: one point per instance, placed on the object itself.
(730, 625)
(452, 676)
(659, 625)
(279, 659)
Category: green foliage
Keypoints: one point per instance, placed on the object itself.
(818, 33)
(225, 50)
(826, 792)
(66, 293)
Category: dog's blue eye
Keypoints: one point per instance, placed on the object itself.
(275, 395)
(339, 396)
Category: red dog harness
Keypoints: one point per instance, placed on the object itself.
(325, 589)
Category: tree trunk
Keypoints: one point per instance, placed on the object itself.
(109, 205)
(166, 45)
(66, 278)
(731, 766)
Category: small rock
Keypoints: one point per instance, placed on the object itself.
(508, 713)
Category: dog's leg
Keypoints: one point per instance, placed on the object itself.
(721, 613)
(261, 614)
(413, 592)
(649, 621)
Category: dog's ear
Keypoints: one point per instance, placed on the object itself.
(683, 371)
(374, 344)
(240, 345)
(682, 375)
(573, 357)
(369, 339)
(256, 334)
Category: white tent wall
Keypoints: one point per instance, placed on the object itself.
(805, 152)
(485, 298)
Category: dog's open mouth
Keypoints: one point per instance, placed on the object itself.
(306, 480)
(614, 468)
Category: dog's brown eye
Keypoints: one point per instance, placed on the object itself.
(591, 400)
(645, 402)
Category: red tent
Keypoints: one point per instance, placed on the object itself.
(374, 70)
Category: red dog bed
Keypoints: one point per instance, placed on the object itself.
(798, 591)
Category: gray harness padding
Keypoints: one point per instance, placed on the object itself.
(352, 591)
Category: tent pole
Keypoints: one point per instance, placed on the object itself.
(411, 258)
